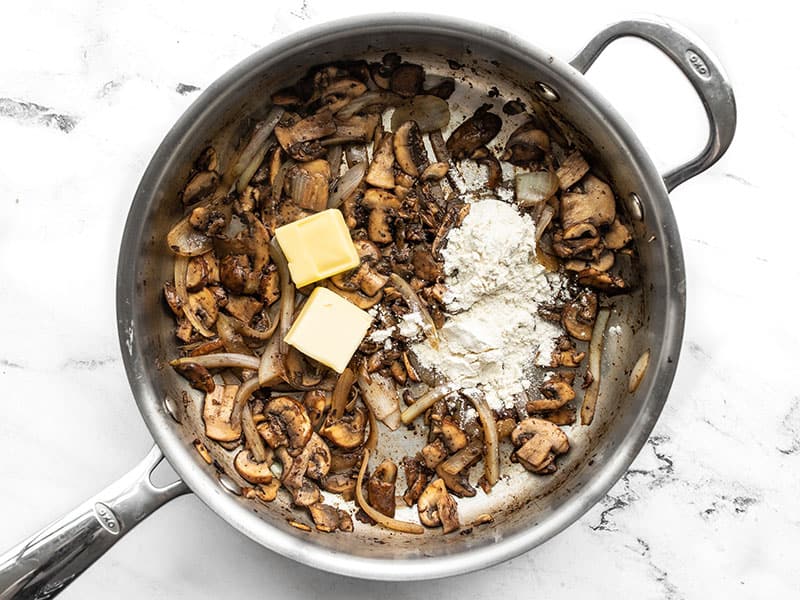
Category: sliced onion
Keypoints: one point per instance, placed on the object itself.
(342, 392)
(376, 515)
(532, 188)
(335, 159)
(252, 167)
(347, 184)
(256, 144)
(223, 360)
(254, 440)
(234, 344)
(185, 240)
(280, 178)
(367, 99)
(425, 401)
(544, 220)
(372, 438)
(415, 304)
(181, 265)
(355, 153)
(271, 367)
(595, 354)
(492, 459)
(242, 396)
(256, 334)
(380, 395)
(430, 112)
(287, 294)
(458, 461)
(638, 371)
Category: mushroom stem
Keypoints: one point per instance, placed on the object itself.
(492, 462)
(425, 401)
(379, 517)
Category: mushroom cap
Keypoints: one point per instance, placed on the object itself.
(250, 470)
(347, 432)
(409, 151)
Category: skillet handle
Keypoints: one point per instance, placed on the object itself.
(699, 65)
(47, 562)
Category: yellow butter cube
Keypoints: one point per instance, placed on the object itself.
(329, 329)
(317, 247)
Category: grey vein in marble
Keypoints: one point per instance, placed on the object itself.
(36, 113)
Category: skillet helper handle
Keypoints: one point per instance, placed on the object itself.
(699, 65)
(47, 562)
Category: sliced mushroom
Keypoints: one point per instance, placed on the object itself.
(605, 282)
(565, 354)
(572, 170)
(381, 488)
(340, 93)
(595, 205)
(483, 156)
(286, 424)
(381, 169)
(578, 316)
(454, 438)
(576, 240)
(325, 517)
(243, 308)
(538, 442)
(557, 391)
(435, 171)
(433, 453)
(307, 184)
(416, 480)
(360, 300)
(250, 469)
(313, 461)
(617, 236)
(204, 305)
(343, 484)
(378, 228)
(442, 89)
(409, 151)
(196, 273)
(199, 187)
(458, 483)
(269, 285)
(473, 133)
(347, 432)
(356, 128)
(526, 145)
(217, 411)
(237, 275)
(293, 132)
(197, 376)
(406, 80)
(316, 403)
(437, 507)
(173, 299)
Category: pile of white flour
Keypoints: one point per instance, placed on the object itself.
(494, 286)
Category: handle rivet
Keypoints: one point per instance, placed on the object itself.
(171, 408)
(635, 209)
(229, 485)
(546, 91)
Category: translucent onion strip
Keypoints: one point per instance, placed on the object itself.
(377, 516)
(425, 401)
(492, 459)
(595, 354)
(341, 392)
(415, 304)
(242, 396)
(347, 184)
(254, 441)
(222, 360)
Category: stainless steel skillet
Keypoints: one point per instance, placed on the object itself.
(527, 510)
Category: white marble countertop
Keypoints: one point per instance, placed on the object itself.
(710, 507)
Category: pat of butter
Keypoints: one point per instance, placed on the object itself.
(317, 247)
(329, 329)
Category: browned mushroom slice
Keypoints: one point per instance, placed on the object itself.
(286, 424)
(578, 316)
(565, 355)
(347, 432)
(237, 275)
(316, 403)
(381, 488)
(576, 240)
(197, 376)
(557, 391)
(313, 461)
(343, 484)
(217, 411)
(435, 171)
(416, 480)
(566, 415)
(433, 453)
(250, 469)
(483, 156)
(409, 151)
(458, 483)
(595, 205)
(572, 170)
(360, 300)
(425, 266)
(201, 186)
(406, 80)
(617, 236)
(605, 282)
(381, 169)
(307, 184)
(473, 133)
(454, 437)
(357, 128)
(243, 308)
(442, 89)
(538, 442)
(173, 299)
(340, 93)
(437, 507)
(526, 145)
(325, 517)
(292, 132)
(204, 305)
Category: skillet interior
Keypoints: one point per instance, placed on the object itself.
(527, 509)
